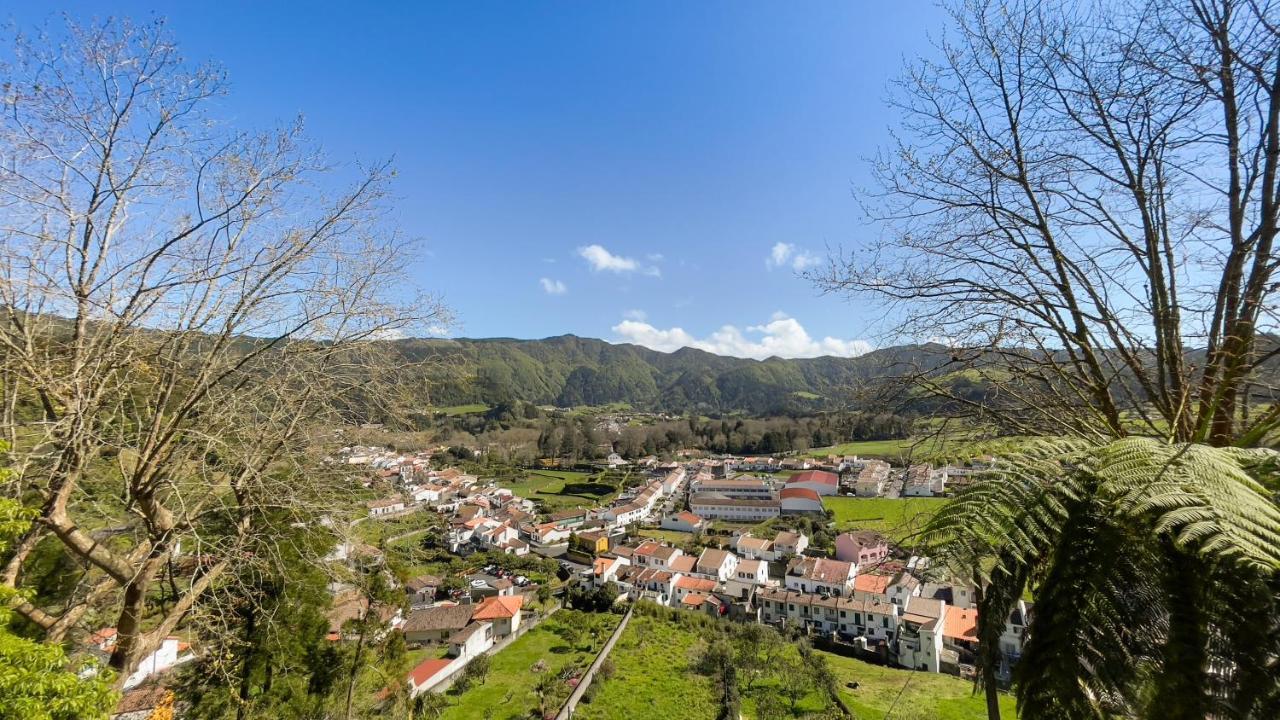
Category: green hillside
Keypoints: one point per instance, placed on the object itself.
(573, 371)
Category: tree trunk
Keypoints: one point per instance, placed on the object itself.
(1182, 686)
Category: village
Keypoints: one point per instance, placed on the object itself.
(687, 536)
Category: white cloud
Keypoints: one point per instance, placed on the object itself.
(553, 287)
(783, 254)
(601, 259)
(636, 315)
(782, 336)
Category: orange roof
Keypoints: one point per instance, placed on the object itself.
(806, 493)
(960, 623)
(427, 669)
(693, 599)
(693, 583)
(504, 606)
(815, 476)
(872, 583)
(689, 517)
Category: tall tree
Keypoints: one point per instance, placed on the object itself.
(1083, 202)
(180, 304)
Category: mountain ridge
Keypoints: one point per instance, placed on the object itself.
(568, 370)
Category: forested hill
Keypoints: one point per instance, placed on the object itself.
(571, 371)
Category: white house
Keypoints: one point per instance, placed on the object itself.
(172, 652)
(821, 576)
(786, 544)
(471, 640)
(754, 548)
(718, 564)
(684, 521)
(384, 507)
(752, 571)
(654, 554)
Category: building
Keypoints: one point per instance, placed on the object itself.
(717, 507)
(924, 481)
(385, 507)
(435, 624)
(847, 617)
(471, 640)
(422, 589)
(871, 479)
(754, 548)
(919, 643)
(821, 576)
(655, 554)
(787, 544)
(686, 585)
(821, 482)
(737, 488)
(684, 521)
(605, 569)
(429, 673)
(800, 501)
(503, 612)
(592, 541)
(861, 548)
(755, 572)
(718, 564)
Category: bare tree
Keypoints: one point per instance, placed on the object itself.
(182, 303)
(1082, 203)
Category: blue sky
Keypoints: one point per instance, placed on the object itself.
(653, 172)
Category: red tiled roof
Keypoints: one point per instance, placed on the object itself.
(960, 623)
(697, 584)
(505, 606)
(872, 583)
(427, 669)
(816, 476)
(805, 493)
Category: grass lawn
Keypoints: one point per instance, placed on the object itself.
(653, 677)
(892, 450)
(455, 410)
(895, 518)
(560, 489)
(374, 530)
(509, 690)
(673, 537)
(927, 695)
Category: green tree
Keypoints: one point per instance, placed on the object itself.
(36, 681)
(1153, 564)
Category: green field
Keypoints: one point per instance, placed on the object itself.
(510, 690)
(893, 450)
(374, 530)
(561, 489)
(653, 677)
(454, 410)
(672, 537)
(897, 518)
(911, 695)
